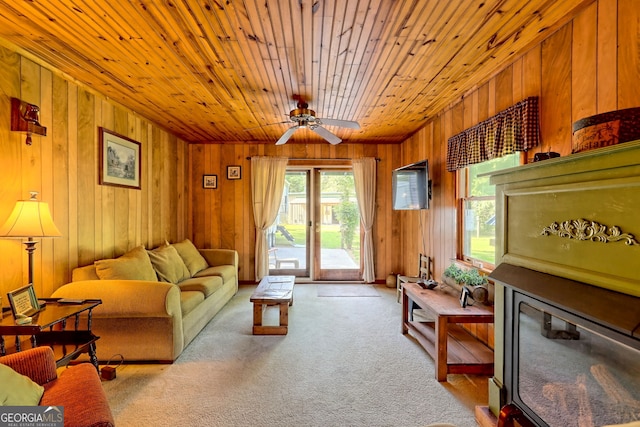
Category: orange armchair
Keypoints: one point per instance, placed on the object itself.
(78, 389)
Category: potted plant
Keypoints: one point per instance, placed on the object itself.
(470, 278)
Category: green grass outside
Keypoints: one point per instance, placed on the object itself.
(482, 249)
(330, 238)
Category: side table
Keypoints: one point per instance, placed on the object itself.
(50, 327)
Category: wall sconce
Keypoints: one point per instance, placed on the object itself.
(25, 117)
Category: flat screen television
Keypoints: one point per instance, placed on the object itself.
(411, 187)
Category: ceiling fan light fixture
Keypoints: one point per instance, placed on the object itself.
(303, 117)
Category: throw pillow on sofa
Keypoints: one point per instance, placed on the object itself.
(194, 261)
(168, 264)
(134, 265)
(18, 389)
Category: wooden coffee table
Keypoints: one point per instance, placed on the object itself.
(272, 290)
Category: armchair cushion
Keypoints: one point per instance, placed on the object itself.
(168, 264)
(18, 389)
(194, 261)
(134, 265)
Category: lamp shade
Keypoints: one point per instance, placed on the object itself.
(30, 218)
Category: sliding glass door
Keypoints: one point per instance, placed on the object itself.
(317, 233)
(337, 226)
(289, 237)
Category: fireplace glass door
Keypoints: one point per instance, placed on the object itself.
(567, 374)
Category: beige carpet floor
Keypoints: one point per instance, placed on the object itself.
(344, 362)
(346, 290)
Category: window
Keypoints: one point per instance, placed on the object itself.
(478, 204)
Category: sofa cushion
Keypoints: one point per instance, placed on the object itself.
(206, 285)
(168, 264)
(192, 258)
(189, 300)
(18, 389)
(134, 265)
(227, 272)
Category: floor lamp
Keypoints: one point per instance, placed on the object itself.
(30, 219)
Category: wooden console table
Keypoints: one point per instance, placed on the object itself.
(454, 350)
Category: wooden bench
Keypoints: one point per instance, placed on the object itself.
(272, 290)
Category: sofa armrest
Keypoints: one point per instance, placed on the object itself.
(126, 298)
(216, 257)
(39, 364)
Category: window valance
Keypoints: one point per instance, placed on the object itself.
(515, 129)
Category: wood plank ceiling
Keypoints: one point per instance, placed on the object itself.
(208, 70)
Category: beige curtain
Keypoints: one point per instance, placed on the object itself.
(267, 184)
(364, 174)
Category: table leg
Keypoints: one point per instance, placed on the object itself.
(441, 348)
(257, 314)
(405, 313)
(284, 314)
(92, 356)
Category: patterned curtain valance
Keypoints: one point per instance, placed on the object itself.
(515, 129)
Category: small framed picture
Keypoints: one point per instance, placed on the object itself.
(210, 181)
(234, 172)
(23, 301)
(464, 297)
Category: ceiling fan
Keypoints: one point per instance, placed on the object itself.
(303, 117)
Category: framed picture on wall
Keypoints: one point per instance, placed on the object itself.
(120, 159)
(210, 181)
(234, 172)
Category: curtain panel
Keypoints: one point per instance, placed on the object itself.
(364, 175)
(267, 185)
(515, 129)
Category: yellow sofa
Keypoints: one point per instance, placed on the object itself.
(154, 304)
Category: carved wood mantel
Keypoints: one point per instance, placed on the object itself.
(575, 217)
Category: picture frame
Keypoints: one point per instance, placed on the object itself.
(23, 301)
(210, 181)
(234, 172)
(464, 297)
(120, 160)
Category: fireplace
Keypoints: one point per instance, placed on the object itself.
(567, 290)
(570, 359)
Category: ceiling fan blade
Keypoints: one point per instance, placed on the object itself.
(326, 134)
(285, 136)
(342, 123)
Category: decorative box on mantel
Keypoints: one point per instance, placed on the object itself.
(574, 217)
(606, 129)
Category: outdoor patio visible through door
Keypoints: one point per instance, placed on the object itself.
(317, 232)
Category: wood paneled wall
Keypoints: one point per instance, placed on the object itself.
(589, 66)
(223, 218)
(96, 221)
